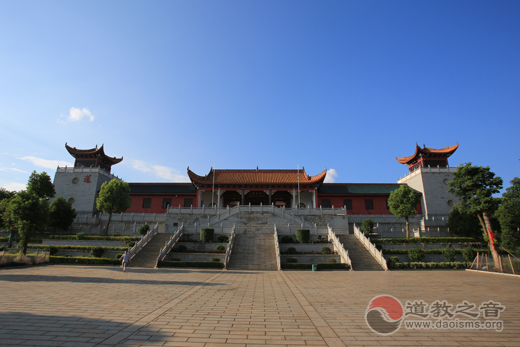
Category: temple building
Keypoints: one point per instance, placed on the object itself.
(428, 174)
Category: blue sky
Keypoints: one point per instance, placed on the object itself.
(346, 85)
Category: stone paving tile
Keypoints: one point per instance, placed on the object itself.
(102, 306)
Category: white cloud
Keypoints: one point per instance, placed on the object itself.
(12, 169)
(160, 171)
(331, 176)
(14, 186)
(76, 114)
(48, 164)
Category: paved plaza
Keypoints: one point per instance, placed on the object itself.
(55, 305)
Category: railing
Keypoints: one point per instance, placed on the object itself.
(377, 254)
(277, 249)
(91, 169)
(282, 213)
(226, 214)
(143, 241)
(229, 247)
(169, 245)
(339, 246)
(318, 211)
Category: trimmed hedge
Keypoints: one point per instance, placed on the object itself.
(430, 266)
(286, 239)
(201, 264)
(207, 234)
(84, 260)
(90, 237)
(433, 251)
(424, 240)
(79, 248)
(320, 266)
(303, 235)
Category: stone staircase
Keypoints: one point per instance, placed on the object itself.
(147, 257)
(360, 257)
(253, 252)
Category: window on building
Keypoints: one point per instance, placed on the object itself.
(347, 203)
(188, 202)
(147, 202)
(369, 204)
(325, 203)
(167, 202)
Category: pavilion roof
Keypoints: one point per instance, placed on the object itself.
(93, 153)
(428, 152)
(258, 176)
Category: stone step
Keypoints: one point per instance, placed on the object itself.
(253, 252)
(147, 257)
(360, 257)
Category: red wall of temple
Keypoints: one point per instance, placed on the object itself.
(136, 205)
(358, 204)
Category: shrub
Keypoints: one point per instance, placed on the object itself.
(96, 252)
(84, 260)
(303, 235)
(286, 239)
(415, 254)
(215, 259)
(130, 244)
(332, 260)
(220, 248)
(118, 256)
(443, 265)
(292, 260)
(182, 248)
(424, 240)
(469, 254)
(291, 250)
(53, 250)
(80, 236)
(143, 229)
(206, 234)
(392, 261)
(223, 239)
(326, 250)
(449, 254)
(175, 259)
(367, 226)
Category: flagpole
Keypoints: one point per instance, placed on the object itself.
(298, 186)
(213, 187)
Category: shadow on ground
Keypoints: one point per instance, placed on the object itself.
(54, 279)
(19, 328)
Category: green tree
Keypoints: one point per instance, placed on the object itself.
(5, 194)
(464, 224)
(114, 197)
(7, 220)
(41, 185)
(367, 226)
(508, 214)
(62, 214)
(475, 186)
(403, 204)
(30, 213)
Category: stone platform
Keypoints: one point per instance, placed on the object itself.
(78, 306)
